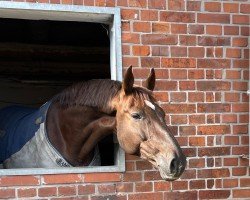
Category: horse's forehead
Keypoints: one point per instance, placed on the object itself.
(149, 104)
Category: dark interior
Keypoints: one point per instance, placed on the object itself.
(39, 58)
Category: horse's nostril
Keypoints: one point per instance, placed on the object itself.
(173, 166)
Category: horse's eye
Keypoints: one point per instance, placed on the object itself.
(136, 116)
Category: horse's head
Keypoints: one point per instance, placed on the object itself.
(141, 128)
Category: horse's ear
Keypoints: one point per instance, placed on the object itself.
(150, 82)
(128, 81)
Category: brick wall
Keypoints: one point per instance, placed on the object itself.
(200, 52)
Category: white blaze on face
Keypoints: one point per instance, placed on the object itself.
(149, 104)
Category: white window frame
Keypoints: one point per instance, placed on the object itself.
(109, 16)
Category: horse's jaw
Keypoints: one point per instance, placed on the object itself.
(169, 165)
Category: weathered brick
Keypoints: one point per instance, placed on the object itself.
(161, 186)
(26, 192)
(213, 151)
(214, 194)
(213, 63)
(241, 193)
(214, 173)
(213, 85)
(19, 180)
(213, 41)
(102, 177)
(160, 27)
(67, 190)
(157, 4)
(178, 62)
(231, 7)
(213, 18)
(181, 195)
(146, 196)
(86, 189)
(197, 184)
(143, 187)
(213, 129)
(159, 39)
(240, 19)
(213, 6)
(184, 17)
(179, 108)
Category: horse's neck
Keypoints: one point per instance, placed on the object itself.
(74, 131)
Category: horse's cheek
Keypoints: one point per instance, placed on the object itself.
(130, 144)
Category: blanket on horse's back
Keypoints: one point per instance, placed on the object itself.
(24, 142)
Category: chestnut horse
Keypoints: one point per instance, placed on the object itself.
(75, 120)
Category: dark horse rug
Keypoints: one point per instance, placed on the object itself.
(24, 141)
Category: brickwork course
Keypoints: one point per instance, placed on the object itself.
(200, 52)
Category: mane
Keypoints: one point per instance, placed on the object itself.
(97, 93)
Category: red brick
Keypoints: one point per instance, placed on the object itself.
(137, 3)
(243, 107)
(161, 96)
(149, 15)
(196, 52)
(125, 49)
(19, 180)
(233, 74)
(176, 5)
(196, 97)
(86, 189)
(244, 31)
(165, 85)
(239, 171)
(132, 176)
(181, 195)
(231, 30)
(197, 184)
(62, 178)
(160, 27)
(157, 4)
(129, 14)
(195, 74)
(178, 63)
(159, 39)
(213, 85)
(152, 176)
(187, 130)
(244, 118)
(232, 97)
(122, 3)
(128, 61)
(178, 74)
(213, 6)
(245, 8)
(214, 129)
(240, 19)
(66, 190)
(161, 186)
(240, 129)
(160, 51)
(185, 17)
(214, 29)
(230, 161)
(179, 108)
(196, 162)
(7, 193)
(214, 173)
(189, 152)
(195, 29)
(240, 42)
(214, 194)
(124, 187)
(186, 85)
(196, 141)
(178, 51)
(130, 166)
(178, 28)
(179, 119)
(47, 191)
(141, 50)
(143, 187)
(182, 141)
(241, 193)
(233, 53)
(230, 183)
(240, 64)
(180, 185)
(193, 5)
(178, 96)
(214, 151)
(240, 150)
(102, 177)
(26, 192)
(150, 62)
(197, 119)
(229, 118)
(146, 196)
(240, 86)
(125, 26)
(213, 41)
(108, 196)
(143, 165)
(231, 7)
(187, 40)
(213, 18)
(130, 38)
(213, 63)
(106, 188)
(141, 27)
(245, 182)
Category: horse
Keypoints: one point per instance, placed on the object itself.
(65, 131)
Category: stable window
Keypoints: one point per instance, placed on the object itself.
(45, 48)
